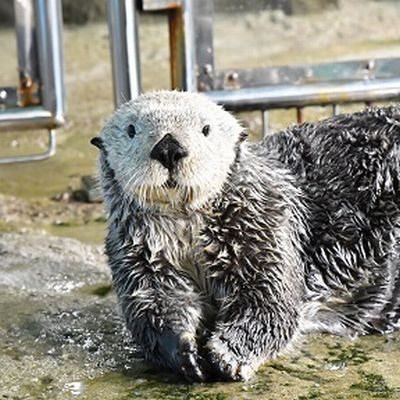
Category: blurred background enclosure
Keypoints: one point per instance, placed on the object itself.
(247, 35)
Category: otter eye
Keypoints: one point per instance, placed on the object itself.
(206, 130)
(131, 131)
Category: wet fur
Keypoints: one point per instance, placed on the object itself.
(301, 234)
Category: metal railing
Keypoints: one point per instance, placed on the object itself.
(38, 101)
(193, 68)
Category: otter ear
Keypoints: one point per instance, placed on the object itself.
(243, 136)
(98, 142)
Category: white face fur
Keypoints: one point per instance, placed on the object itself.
(138, 126)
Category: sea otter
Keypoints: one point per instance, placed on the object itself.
(224, 252)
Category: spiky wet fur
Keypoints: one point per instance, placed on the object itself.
(295, 234)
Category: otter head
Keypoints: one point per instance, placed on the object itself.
(169, 149)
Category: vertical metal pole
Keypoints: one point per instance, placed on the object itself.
(335, 109)
(49, 43)
(28, 67)
(124, 41)
(176, 48)
(189, 51)
(191, 45)
(204, 44)
(300, 115)
(182, 46)
(265, 123)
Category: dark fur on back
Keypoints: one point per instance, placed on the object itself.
(348, 168)
(303, 236)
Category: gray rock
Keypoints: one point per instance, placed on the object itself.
(46, 264)
(91, 189)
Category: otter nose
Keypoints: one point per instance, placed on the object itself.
(168, 151)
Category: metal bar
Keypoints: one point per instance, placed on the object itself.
(26, 118)
(204, 13)
(176, 48)
(40, 60)
(299, 115)
(285, 96)
(123, 27)
(382, 68)
(49, 43)
(28, 65)
(265, 123)
(189, 44)
(50, 151)
(157, 5)
(191, 47)
(182, 46)
(335, 110)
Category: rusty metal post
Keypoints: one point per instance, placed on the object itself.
(191, 47)
(28, 66)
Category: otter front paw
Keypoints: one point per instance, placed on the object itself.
(226, 363)
(180, 353)
(189, 361)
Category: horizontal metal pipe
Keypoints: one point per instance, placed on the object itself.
(157, 5)
(285, 96)
(29, 118)
(49, 152)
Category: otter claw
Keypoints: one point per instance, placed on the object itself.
(190, 369)
(189, 365)
(225, 364)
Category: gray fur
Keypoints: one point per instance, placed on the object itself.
(256, 244)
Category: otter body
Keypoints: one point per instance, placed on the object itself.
(224, 252)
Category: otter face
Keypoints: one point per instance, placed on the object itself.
(169, 149)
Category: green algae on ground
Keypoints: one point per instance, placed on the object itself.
(100, 290)
(155, 385)
(351, 354)
(91, 232)
(373, 385)
(313, 394)
(300, 373)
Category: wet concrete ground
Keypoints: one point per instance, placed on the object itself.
(61, 337)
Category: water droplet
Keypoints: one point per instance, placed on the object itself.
(75, 388)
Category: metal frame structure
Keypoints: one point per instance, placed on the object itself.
(193, 69)
(38, 101)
